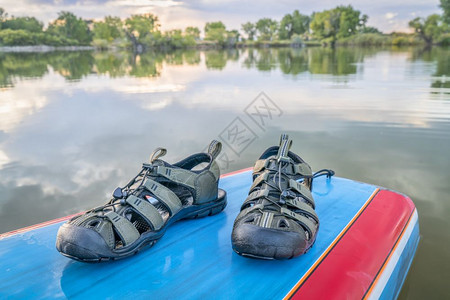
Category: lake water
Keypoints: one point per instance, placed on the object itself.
(75, 125)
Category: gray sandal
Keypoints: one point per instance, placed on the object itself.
(139, 213)
(278, 218)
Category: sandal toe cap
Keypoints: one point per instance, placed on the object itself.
(81, 243)
(268, 243)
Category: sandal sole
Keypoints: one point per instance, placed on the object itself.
(99, 251)
(265, 243)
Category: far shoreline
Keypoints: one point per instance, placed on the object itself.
(44, 48)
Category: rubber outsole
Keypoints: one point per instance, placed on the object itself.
(253, 241)
(87, 245)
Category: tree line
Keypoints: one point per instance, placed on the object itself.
(340, 25)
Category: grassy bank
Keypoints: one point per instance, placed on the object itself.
(394, 39)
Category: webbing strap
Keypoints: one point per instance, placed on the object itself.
(302, 190)
(285, 145)
(164, 195)
(260, 164)
(305, 208)
(214, 148)
(302, 169)
(181, 176)
(127, 232)
(255, 196)
(292, 169)
(147, 210)
(249, 209)
(304, 221)
(263, 177)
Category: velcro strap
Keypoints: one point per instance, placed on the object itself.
(302, 190)
(263, 177)
(127, 232)
(304, 221)
(305, 208)
(164, 195)
(181, 176)
(147, 210)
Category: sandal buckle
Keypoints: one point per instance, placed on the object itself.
(287, 194)
(118, 194)
(148, 166)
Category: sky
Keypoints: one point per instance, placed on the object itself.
(386, 15)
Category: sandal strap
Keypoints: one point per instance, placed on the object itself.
(261, 178)
(180, 176)
(302, 220)
(283, 149)
(302, 190)
(255, 196)
(127, 232)
(164, 195)
(292, 169)
(249, 209)
(305, 208)
(147, 211)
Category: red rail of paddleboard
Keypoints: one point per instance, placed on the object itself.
(351, 267)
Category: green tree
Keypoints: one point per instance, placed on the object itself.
(340, 22)
(174, 38)
(216, 32)
(192, 32)
(232, 37)
(250, 30)
(428, 29)
(350, 21)
(67, 25)
(109, 29)
(293, 24)
(142, 30)
(3, 16)
(370, 29)
(445, 5)
(267, 29)
(30, 24)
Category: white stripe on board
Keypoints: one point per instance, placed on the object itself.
(390, 266)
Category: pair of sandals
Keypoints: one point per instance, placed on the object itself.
(277, 220)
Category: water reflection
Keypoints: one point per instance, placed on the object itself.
(325, 61)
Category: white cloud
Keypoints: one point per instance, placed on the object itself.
(145, 3)
(180, 14)
(390, 15)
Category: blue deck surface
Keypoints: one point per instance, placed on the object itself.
(193, 260)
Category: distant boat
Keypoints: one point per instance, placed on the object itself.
(366, 242)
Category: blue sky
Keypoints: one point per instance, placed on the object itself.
(386, 15)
